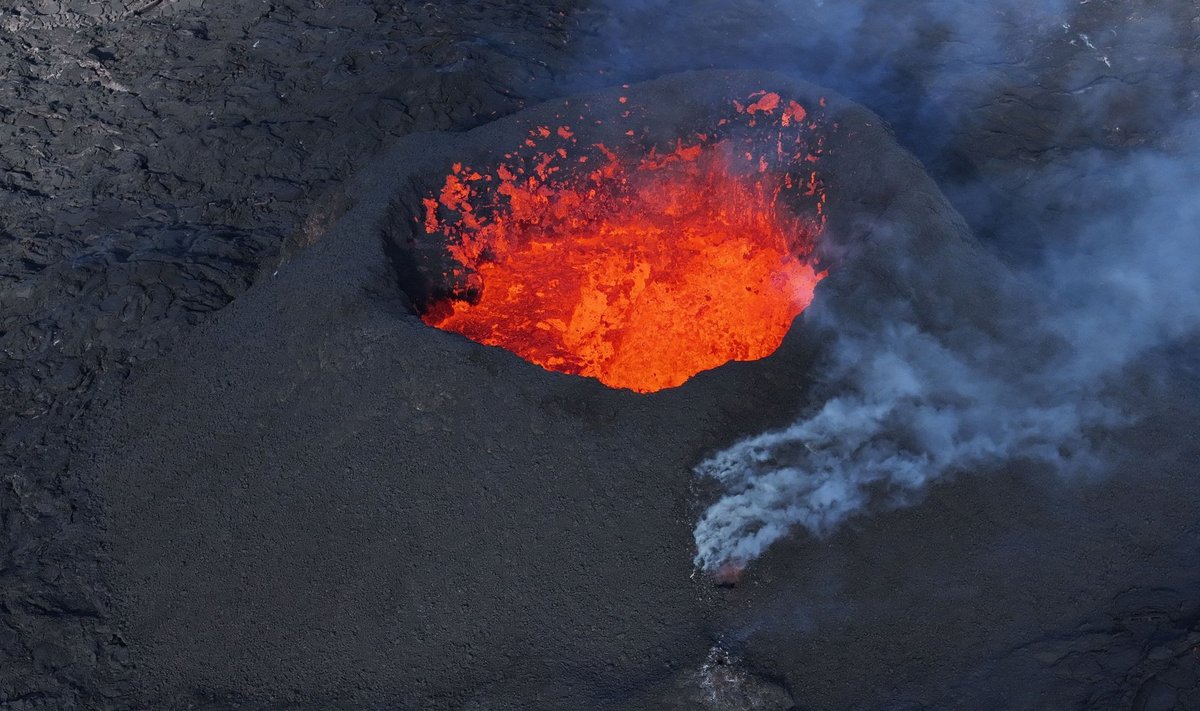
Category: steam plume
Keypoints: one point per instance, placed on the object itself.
(899, 407)
(907, 408)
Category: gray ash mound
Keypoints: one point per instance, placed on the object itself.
(318, 500)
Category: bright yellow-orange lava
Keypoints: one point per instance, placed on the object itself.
(639, 271)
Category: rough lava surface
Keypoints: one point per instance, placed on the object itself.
(158, 158)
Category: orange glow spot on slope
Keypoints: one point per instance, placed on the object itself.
(768, 103)
(640, 272)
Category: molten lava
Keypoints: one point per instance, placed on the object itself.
(639, 268)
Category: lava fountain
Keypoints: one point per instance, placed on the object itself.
(634, 262)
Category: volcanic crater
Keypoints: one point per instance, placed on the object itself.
(470, 518)
(613, 256)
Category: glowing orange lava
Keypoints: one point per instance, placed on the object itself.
(639, 268)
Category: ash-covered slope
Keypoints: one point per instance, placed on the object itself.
(318, 500)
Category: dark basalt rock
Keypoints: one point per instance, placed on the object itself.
(170, 175)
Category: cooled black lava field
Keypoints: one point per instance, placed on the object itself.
(241, 469)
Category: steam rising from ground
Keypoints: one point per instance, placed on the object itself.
(907, 408)
(900, 408)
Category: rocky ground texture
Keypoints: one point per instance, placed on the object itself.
(158, 156)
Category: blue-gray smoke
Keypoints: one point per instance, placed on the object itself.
(1116, 272)
(911, 408)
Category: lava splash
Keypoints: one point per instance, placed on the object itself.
(638, 266)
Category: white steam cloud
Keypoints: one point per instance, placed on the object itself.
(900, 407)
(908, 408)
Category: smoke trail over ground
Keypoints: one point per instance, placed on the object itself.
(1110, 205)
(907, 408)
